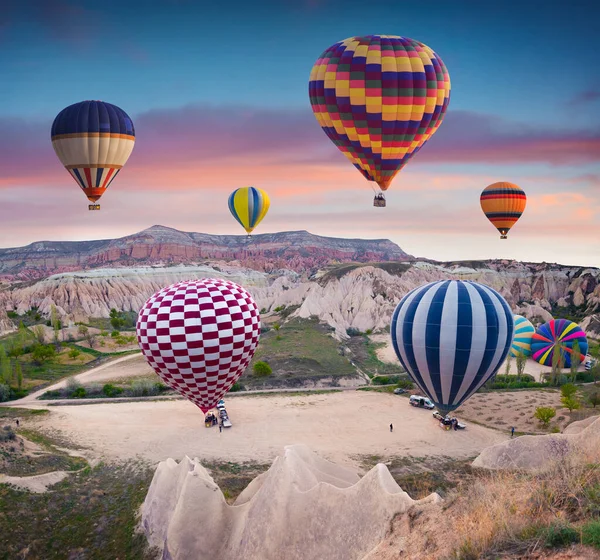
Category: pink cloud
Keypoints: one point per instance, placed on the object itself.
(585, 97)
(203, 145)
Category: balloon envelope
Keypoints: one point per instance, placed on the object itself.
(451, 336)
(524, 330)
(379, 98)
(503, 203)
(93, 140)
(249, 206)
(558, 334)
(199, 337)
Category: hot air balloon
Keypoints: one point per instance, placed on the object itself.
(503, 203)
(451, 336)
(249, 206)
(199, 337)
(558, 334)
(379, 98)
(522, 341)
(93, 140)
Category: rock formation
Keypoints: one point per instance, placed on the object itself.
(580, 441)
(299, 251)
(284, 269)
(302, 507)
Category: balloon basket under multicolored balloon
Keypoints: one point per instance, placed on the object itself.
(93, 207)
(379, 201)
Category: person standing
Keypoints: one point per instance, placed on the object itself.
(391, 427)
(512, 431)
(221, 427)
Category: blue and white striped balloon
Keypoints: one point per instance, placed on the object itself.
(451, 336)
(524, 330)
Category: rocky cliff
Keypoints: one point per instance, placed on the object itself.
(360, 296)
(299, 251)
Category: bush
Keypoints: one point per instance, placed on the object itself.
(279, 308)
(524, 381)
(7, 434)
(544, 414)
(590, 533)
(79, 393)
(353, 331)
(385, 379)
(262, 369)
(264, 329)
(103, 333)
(4, 392)
(115, 334)
(237, 387)
(405, 384)
(111, 391)
(560, 535)
(74, 353)
(144, 388)
(572, 403)
(568, 390)
(72, 386)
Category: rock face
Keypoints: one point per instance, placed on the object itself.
(302, 507)
(299, 251)
(580, 440)
(347, 296)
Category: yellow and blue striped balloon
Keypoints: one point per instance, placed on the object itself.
(524, 330)
(249, 206)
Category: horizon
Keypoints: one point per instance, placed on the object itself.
(214, 99)
(254, 235)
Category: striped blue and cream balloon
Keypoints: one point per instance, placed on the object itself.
(524, 330)
(451, 336)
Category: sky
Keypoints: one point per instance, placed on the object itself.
(218, 93)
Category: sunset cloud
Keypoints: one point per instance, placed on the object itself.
(178, 147)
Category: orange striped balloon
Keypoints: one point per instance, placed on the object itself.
(503, 203)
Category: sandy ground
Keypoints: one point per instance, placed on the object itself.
(502, 410)
(337, 426)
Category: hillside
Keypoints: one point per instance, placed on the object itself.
(299, 251)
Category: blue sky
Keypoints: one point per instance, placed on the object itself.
(524, 107)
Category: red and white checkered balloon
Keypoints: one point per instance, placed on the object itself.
(199, 337)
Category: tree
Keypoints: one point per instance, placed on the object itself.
(19, 375)
(575, 359)
(572, 403)
(521, 363)
(82, 330)
(558, 361)
(594, 398)
(262, 369)
(5, 369)
(91, 339)
(39, 333)
(115, 320)
(22, 336)
(43, 353)
(568, 390)
(544, 414)
(56, 324)
(74, 353)
(508, 360)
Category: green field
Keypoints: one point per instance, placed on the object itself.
(364, 354)
(302, 349)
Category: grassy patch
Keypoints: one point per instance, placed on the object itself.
(232, 478)
(301, 349)
(284, 393)
(22, 412)
(91, 514)
(364, 354)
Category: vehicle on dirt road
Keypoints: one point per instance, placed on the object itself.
(446, 422)
(421, 402)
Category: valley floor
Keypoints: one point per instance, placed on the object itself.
(339, 426)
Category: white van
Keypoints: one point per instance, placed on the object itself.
(422, 402)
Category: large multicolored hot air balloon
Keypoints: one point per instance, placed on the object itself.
(379, 98)
(503, 203)
(522, 341)
(558, 334)
(451, 336)
(199, 337)
(93, 140)
(249, 206)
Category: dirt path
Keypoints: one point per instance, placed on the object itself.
(338, 426)
(106, 371)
